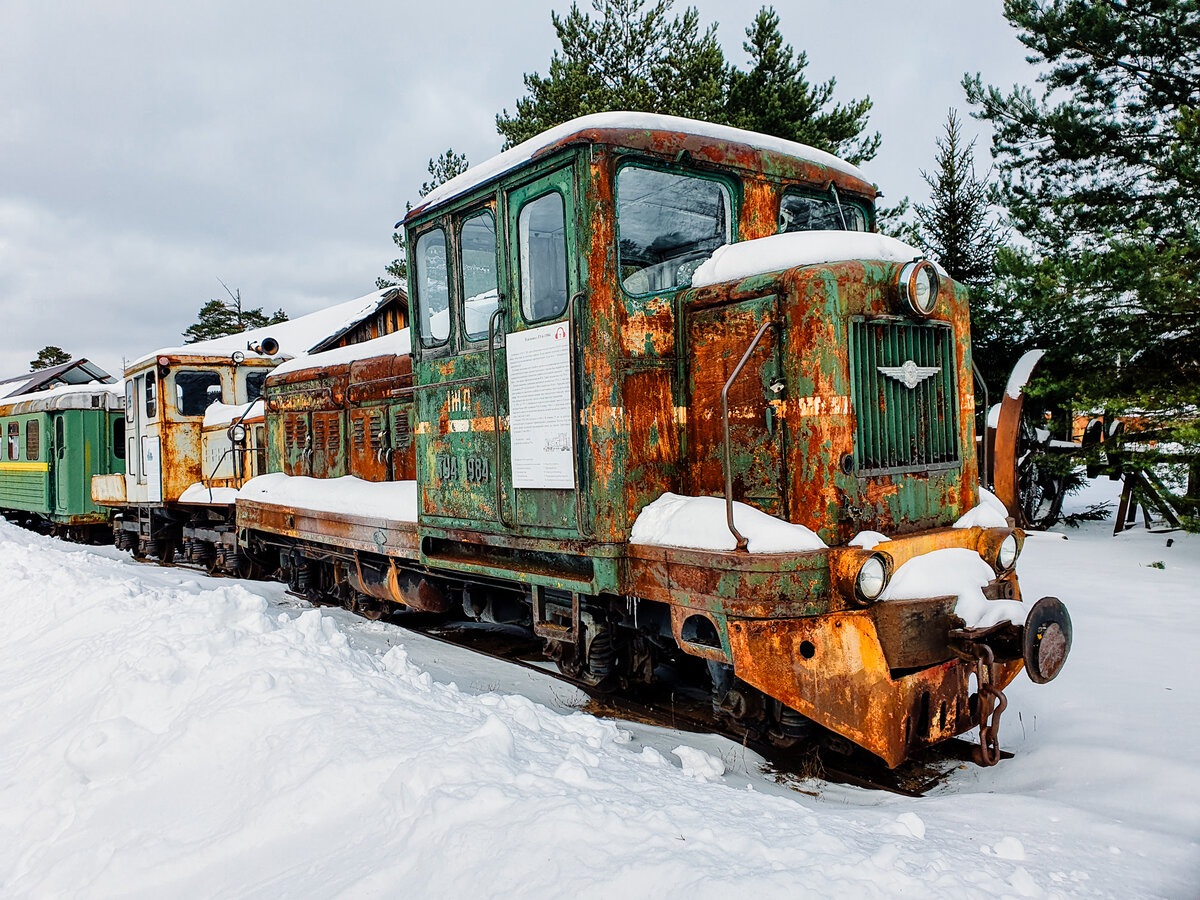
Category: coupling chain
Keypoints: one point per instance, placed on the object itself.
(992, 703)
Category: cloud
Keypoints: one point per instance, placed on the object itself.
(148, 148)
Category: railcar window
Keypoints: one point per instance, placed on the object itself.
(196, 391)
(260, 450)
(433, 288)
(14, 439)
(542, 233)
(255, 381)
(118, 438)
(33, 440)
(819, 212)
(667, 225)
(151, 402)
(130, 409)
(477, 243)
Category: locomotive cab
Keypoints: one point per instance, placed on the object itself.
(177, 470)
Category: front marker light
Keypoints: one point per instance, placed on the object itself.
(872, 578)
(1006, 556)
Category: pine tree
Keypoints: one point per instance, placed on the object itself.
(634, 57)
(628, 58)
(958, 228)
(441, 170)
(956, 225)
(218, 318)
(775, 98)
(49, 356)
(1101, 174)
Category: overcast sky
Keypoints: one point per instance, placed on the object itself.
(148, 148)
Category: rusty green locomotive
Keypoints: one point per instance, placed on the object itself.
(630, 308)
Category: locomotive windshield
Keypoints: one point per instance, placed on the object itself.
(820, 212)
(667, 225)
(196, 391)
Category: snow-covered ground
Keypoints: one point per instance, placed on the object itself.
(164, 734)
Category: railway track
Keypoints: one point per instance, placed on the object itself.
(672, 704)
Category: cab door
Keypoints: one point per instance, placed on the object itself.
(464, 453)
(133, 461)
(149, 445)
(61, 465)
(539, 396)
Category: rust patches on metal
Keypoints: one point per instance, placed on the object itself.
(1007, 445)
(648, 327)
(368, 534)
(833, 669)
(760, 209)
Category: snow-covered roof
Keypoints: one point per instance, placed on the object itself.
(395, 343)
(527, 150)
(77, 371)
(67, 396)
(733, 262)
(296, 336)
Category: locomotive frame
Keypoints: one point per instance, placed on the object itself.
(787, 387)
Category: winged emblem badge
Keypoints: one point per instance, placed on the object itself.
(909, 374)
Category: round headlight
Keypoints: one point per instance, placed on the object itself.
(919, 284)
(237, 433)
(872, 578)
(1006, 556)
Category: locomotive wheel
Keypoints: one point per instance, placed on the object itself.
(1041, 481)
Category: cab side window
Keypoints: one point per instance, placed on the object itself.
(151, 400)
(481, 292)
(255, 382)
(433, 288)
(542, 237)
(196, 391)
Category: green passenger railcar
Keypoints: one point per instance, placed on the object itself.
(53, 443)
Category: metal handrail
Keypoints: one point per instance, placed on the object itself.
(741, 541)
(985, 475)
(583, 532)
(497, 313)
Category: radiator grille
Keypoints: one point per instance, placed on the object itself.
(898, 428)
(401, 433)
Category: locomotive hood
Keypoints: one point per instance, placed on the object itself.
(733, 262)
